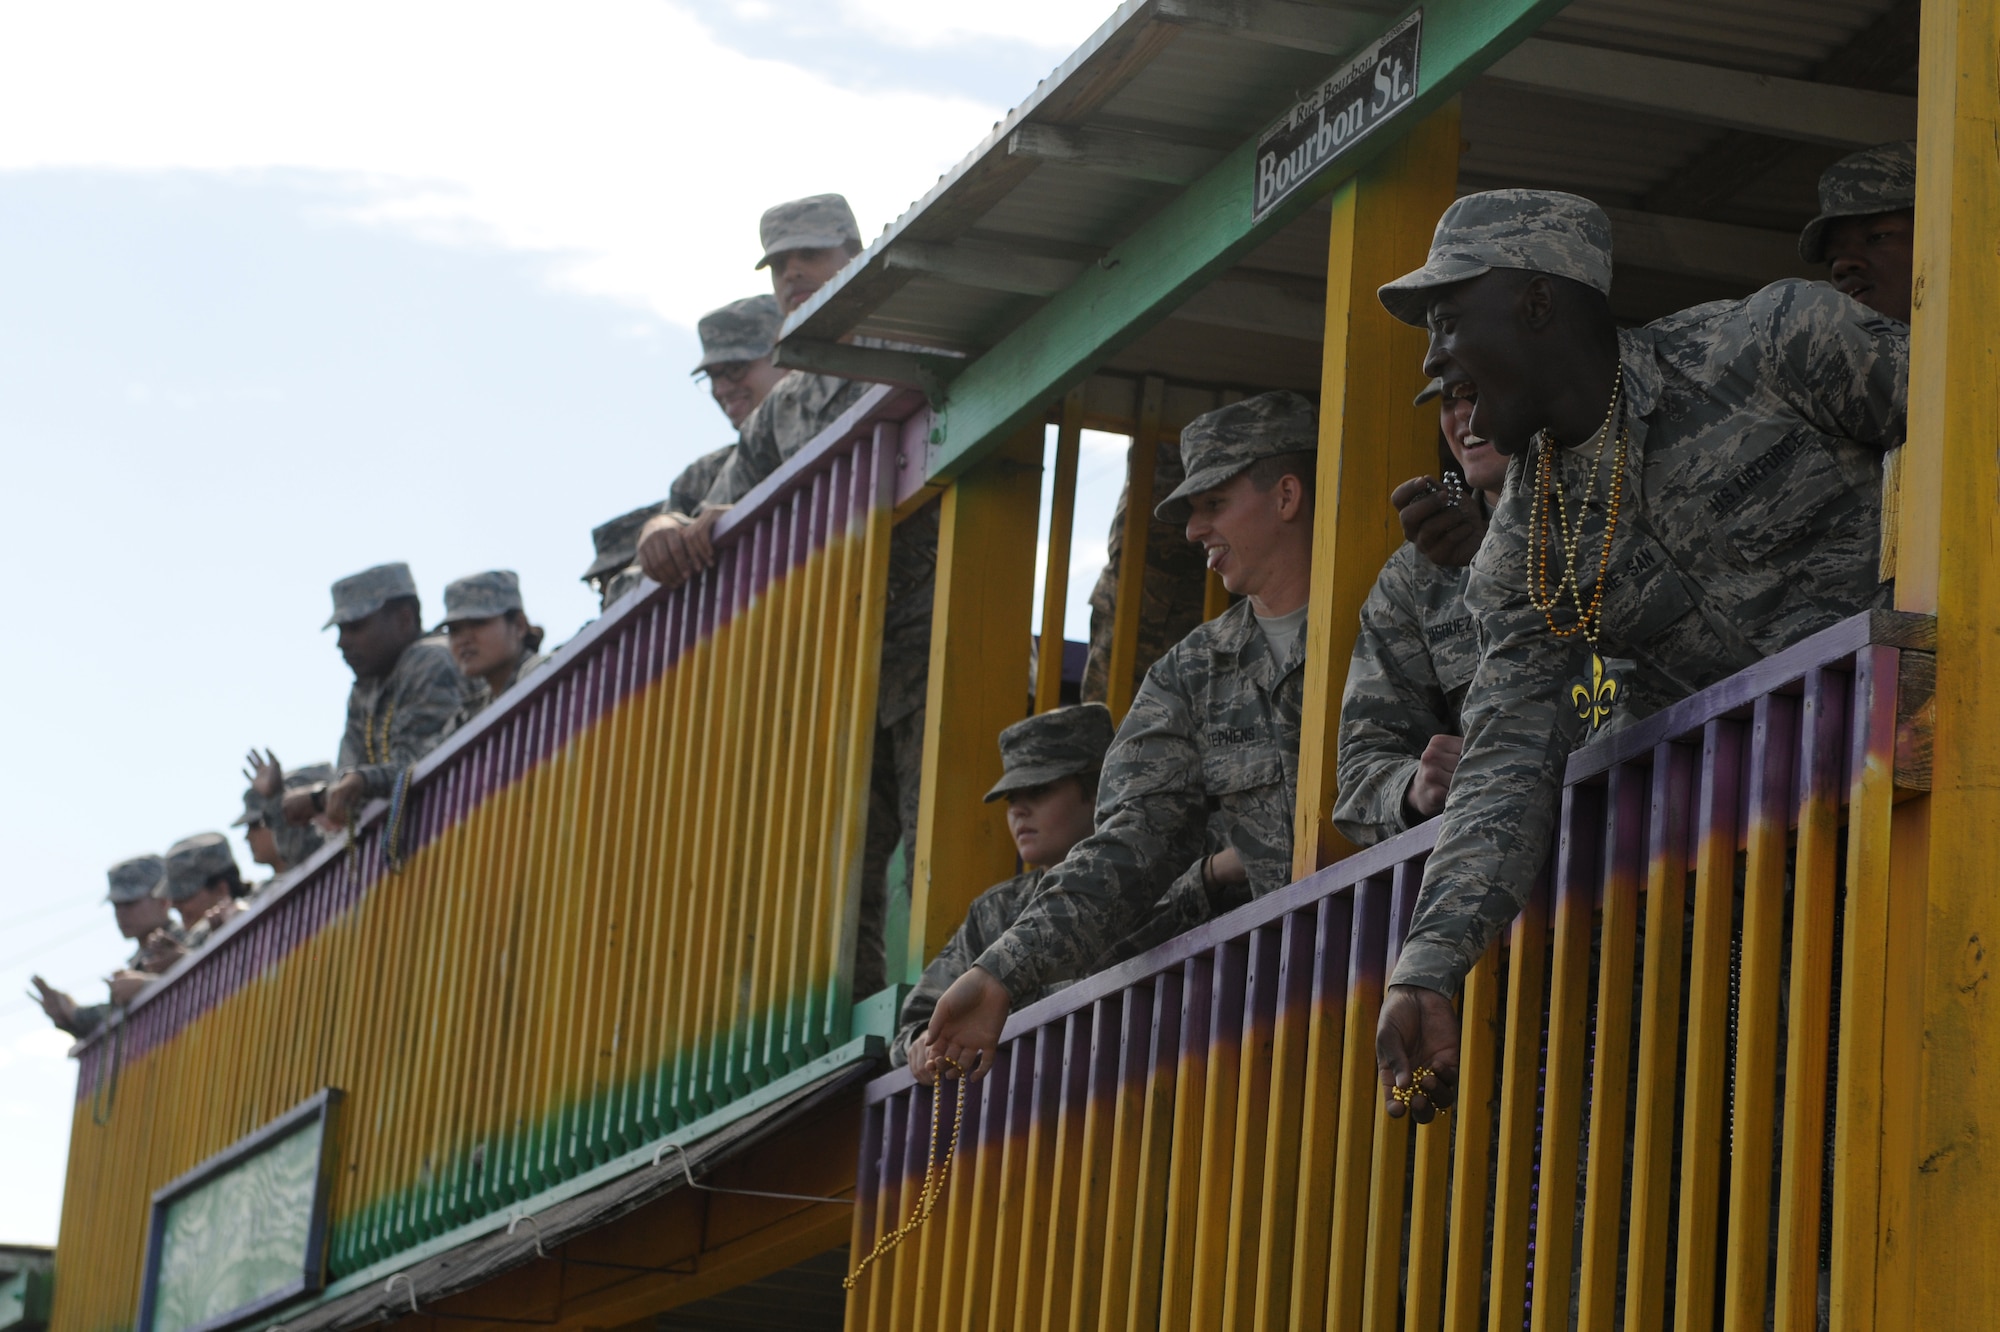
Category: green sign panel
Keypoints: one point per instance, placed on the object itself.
(245, 1230)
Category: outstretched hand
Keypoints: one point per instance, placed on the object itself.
(1446, 534)
(264, 773)
(965, 1027)
(1418, 1029)
(61, 1009)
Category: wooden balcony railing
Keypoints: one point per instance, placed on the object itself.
(625, 901)
(1195, 1138)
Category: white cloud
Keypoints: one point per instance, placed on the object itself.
(1058, 26)
(619, 133)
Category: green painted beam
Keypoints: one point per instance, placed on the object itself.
(1189, 242)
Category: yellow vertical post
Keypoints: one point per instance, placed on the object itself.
(1948, 562)
(1055, 580)
(1128, 604)
(1370, 438)
(978, 685)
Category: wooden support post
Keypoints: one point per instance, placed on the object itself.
(1055, 580)
(1948, 562)
(1129, 601)
(978, 686)
(1370, 438)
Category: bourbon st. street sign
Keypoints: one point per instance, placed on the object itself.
(1363, 93)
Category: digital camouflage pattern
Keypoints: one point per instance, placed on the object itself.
(358, 596)
(192, 862)
(1213, 733)
(1218, 445)
(296, 842)
(1064, 742)
(1542, 231)
(1414, 656)
(1174, 589)
(157, 951)
(794, 413)
(692, 485)
(797, 410)
(1751, 518)
(135, 879)
(619, 584)
(198, 934)
(986, 920)
(481, 596)
(744, 330)
(616, 541)
(480, 695)
(816, 222)
(396, 720)
(1882, 179)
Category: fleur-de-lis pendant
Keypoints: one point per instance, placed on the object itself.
(1595, 699)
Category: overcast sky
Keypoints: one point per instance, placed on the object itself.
(289, 290)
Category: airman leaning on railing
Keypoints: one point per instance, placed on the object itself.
(806, 242)
(1215, 722)
(1747, 516)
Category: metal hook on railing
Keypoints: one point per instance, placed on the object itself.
(529, 1217)
(389, 1287)
(687, 1169)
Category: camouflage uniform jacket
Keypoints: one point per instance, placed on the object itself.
(213, 919)
(480, 695)
(159, 950)
(985, 921)
(1751, 518)
(696, 480)
(786, 421)
(406, 712)
(1413, 659)
(1214, 730)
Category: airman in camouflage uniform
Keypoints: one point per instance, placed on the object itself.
(798, 409)
(141, 917)
(203, 884)
(487, 629)
(1865, 231)
(1068, 742)
(1214, 730)
(1175, 585)
(273, 841)
(1749, 519)
(613, 572)
(406, 697)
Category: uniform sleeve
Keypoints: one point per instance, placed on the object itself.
(755, 456)
(1185, 904)
(1841, 365)
(696, 480)
(1392, 706)
(1150, 819)
(428, 700)
(986, 920)
(88, 1018)
(1519, 731)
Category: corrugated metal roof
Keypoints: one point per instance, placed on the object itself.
(1152, 71)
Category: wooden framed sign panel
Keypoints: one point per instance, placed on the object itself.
(244, 1231)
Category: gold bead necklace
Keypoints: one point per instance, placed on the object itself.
(1550, 522)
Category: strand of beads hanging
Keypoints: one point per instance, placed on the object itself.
(368, 734)
(1550, 523)
(935, 1174)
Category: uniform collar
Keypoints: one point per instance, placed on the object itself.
(1237, 635)
(1642, 369)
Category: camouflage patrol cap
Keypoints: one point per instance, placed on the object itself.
(1542, 231)
(744, 330)
(618, 584)
(1068, 742)
(481, 596)
(1875, 180)
(358, 596)
(1429, 393)
(818, 221)
(192, 862)
(135, 879)
(1219, 444)
(617, 541)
